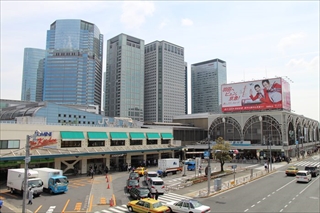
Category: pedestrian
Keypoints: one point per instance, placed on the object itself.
(91, 172)
(1, 203)
(95, 168)
(265, 166)
(156, 195)
(106, 170)
(30, 196)
(200, 168)
(129, 168)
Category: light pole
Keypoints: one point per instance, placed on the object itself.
(224, 128)
(260, 119)
(26, 163)
(209, 167)
(270, 154)
(298, 142)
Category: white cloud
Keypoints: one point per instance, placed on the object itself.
(163, 24)
(186, 22)
(303, 66)
(291, 41)
(134, 13)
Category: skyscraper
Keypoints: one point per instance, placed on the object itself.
(32, 77)
(165, 81)
(73, 64)
(206, 80)
(124, 87)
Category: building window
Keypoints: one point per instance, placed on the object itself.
(9, 144)
(67, 144)
(117, 143)
(69, 116)
(163, 141)
(152, 142)
(64, 115)
(84, 117)
(135, 142)
(96, 143)
(59, 115)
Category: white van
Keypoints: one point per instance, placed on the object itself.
(156, 183)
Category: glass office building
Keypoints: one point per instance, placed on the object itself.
(32, 77)
(165, 81)
(206, 80)
(73, 64)
(124, 87)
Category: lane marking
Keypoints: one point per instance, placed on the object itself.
(38, 209)
(65, 206)
(90, 204)
(246, 210)
(77, 207)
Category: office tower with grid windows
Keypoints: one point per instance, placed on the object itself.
(124, 82)
(32, 76)
(73, 63)
(165, 81)
(206, 80)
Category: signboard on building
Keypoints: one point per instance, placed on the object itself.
(43, 139)
(263, 94)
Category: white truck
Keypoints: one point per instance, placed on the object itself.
(53, 180)
(169, 165)
(15, 181)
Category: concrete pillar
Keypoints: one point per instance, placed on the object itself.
(57, 163)
(84, 165)
(159, 155)
(108, 161)
(128, 159)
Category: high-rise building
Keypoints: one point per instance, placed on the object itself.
(73, 64)
(32, 77)
(206, 80)
(124, 87)
(165, 81)
(186, 89)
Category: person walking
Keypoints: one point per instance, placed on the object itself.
(129, 168)
(200, 169)
(91, 172)
(30, 196)
(156, 195)
(265, 166)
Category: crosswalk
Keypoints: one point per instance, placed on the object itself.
(163, 198)
(307, 163)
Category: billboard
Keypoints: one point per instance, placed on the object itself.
(259, 95)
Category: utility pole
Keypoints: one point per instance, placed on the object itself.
(209, 167)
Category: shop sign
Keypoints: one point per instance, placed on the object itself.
(118, 155)
(41, 142)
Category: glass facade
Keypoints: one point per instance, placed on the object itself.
(124, 87)
(73, 64)
(32, 78)
(206, 80)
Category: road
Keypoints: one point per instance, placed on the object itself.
(273, 193)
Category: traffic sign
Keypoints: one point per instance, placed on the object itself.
(27, 159)
(234, 166)
(297, 142)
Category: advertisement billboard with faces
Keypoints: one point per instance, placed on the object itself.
(259, 95)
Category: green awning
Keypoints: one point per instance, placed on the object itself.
(137, 136)
(97, 136)
(71, 136)
(153, 135)
(166, 135)
(118, 135)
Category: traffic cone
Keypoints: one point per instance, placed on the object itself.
(108, 186)
(107, 176)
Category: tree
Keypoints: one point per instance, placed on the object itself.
(221, 151)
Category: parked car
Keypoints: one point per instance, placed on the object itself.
(188, 205)
(134, 176)
(303, 176)
(132, 184)
(140, 170)
(314, 170)
(138, 193)
(147, 205)
(150, 174)
(292, 170)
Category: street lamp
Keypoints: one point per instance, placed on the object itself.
(298, 142)
(209, 167)
(224, 128)
(26, 163)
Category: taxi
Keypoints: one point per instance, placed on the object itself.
(147, 205)
(141, 170)
(292, 170)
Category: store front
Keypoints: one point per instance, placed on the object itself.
(137, 160)
(118, 162)
(152, 159)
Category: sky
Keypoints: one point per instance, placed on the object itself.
(257, 39)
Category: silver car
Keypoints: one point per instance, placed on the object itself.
(188, 205)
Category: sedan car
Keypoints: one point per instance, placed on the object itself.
(134, 176)
(150, 174)
(132, 184)
(138, 193)
(140, 170)
(303, 176)
(314, 170)
(292, 170)
(147, 205)
(188, 205)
